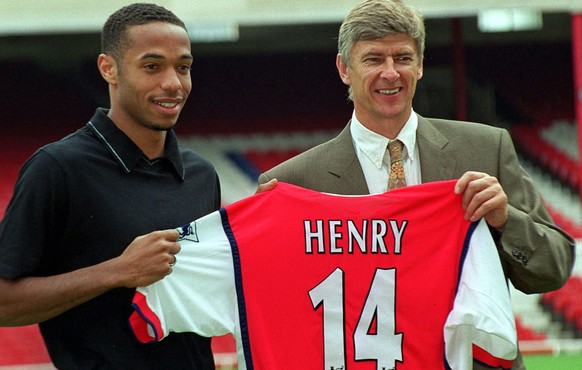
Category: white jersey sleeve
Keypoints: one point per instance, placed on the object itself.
(482, 318)
(203, 300)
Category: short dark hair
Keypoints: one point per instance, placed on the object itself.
(114, 36)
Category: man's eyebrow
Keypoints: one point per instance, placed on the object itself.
(152, 56)
(370, 53)
(159, 56)
(187, 56)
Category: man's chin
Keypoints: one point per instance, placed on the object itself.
(162, 126)
(163, 129)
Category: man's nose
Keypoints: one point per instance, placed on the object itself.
(171, 81)
(389, 71)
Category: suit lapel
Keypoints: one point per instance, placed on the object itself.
(346, 172)
(345, 167)
(434, 163)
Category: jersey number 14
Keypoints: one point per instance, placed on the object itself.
(383, 345)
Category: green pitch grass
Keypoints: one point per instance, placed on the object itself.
(537, 362)
(550, 362)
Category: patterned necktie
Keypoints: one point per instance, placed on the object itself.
(396, 178)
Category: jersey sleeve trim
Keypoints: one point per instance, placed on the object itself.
(465, 251)
(483, 357)
(243, 322)
(144, 323)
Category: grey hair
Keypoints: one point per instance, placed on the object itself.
(375, 19)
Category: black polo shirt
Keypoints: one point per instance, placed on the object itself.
(82, 200)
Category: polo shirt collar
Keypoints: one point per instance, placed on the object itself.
(124, 150)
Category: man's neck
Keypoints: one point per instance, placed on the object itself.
(151, 142)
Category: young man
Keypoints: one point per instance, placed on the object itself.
(79, 233)
(381, 47)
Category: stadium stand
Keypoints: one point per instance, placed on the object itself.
(565, 306)
(551, 157)
(559, 157)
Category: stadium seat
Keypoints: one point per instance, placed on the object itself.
(525, 333)
(565, 304)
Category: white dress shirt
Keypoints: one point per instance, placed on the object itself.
(372, 151)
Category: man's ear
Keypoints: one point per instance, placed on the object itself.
(108, 68)
(343, 70)
(420, 71)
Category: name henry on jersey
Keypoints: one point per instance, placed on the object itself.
(347, 236)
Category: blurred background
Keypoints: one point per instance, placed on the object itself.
(265, 88)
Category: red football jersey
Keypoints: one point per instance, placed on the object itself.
(319, 281)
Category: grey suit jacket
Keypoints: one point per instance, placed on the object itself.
(536, 255)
